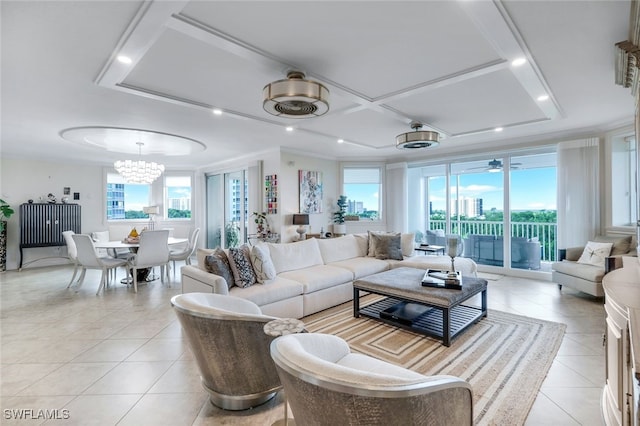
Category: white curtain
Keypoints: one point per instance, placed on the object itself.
(578, 192)
(396, 197)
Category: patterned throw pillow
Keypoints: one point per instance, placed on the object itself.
(595, 253)
(262, 264)
(240, 261)
(385, 246)
(218, 263)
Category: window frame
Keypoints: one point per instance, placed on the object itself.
(381, 167)
(165, 203)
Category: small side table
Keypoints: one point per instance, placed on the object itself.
(277, 328)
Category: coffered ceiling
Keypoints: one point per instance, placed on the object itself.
(447, 64)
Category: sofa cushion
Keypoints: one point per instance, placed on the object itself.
(363, 243)
(362, 266)
(293, 256)
(595, 253)
(240, 261)
(574, 269)
(274, 291)
(336, 249)
(385, 246)
(319, 277)
(407, 243)
(218, 263)
(262, 264)
(621, 245)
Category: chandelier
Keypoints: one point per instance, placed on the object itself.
(418, 138)
(295, 97)
(138, 171)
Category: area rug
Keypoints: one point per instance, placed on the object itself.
(490, 277)
(505, 357)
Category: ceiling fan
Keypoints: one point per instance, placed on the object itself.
(495, 166)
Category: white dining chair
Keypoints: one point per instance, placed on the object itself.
(88, 258)
(153, 251)
(72, 253)
(186, 252)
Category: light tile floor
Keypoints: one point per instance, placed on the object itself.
(119, 358)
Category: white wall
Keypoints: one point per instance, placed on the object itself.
(289, 189)
(22, 180)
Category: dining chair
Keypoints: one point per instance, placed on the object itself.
(185, 253)
(72, 253)
(153, 251)
(88, 258)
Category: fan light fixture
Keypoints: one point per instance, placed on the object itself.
(494, 166)
(418, 138)
(138, 171)
(295, 97)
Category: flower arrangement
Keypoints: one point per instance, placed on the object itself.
(262, 224)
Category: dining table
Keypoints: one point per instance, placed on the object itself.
(144, 274)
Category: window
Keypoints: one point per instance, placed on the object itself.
(178, 197)
(126, 200)
(362, 186)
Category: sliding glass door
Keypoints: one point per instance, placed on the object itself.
(227, 207)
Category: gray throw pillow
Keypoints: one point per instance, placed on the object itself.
(386, 246)
(218, 263)
(240, 261)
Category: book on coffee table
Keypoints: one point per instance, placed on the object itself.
(441, 279)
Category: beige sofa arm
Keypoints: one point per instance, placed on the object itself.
(195, 279)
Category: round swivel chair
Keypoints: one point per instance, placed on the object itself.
(226, 336)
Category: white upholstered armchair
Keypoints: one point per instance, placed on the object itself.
(326, 384)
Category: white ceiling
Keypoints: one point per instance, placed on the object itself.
(444, 63)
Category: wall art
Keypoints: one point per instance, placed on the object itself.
(310, 191)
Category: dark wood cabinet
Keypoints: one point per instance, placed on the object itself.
(41, 225)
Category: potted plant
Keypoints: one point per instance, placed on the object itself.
(5, 213)
(262, 224)
(339, 228)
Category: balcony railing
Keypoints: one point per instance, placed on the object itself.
(546, 233)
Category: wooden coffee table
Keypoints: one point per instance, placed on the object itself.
(441, 312)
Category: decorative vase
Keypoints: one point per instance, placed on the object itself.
(3, 246)
(339, 228)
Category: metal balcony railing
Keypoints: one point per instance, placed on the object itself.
(546, 233)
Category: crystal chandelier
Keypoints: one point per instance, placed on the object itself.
(138, 171)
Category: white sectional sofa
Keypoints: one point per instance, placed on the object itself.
(314, 274)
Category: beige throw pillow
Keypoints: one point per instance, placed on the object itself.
(262, 264)
(595, 253)
(385, 246)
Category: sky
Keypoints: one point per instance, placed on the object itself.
(531, 189)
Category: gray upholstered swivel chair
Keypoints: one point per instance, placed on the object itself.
(326, 384)
(226, 336)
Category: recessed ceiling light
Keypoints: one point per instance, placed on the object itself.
(217, 111)
(289, 129)
(340, 140)
(124, 59)
(519, 61)
(543, 97)
(498, 129)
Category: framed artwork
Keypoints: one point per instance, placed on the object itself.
(310, 191)
(271, 193)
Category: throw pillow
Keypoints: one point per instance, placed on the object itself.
(240, 261)
(386, 246)
(218, 263)
(262, 264)
(595, 253)
(407, 241)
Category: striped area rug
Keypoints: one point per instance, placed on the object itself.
(505, 357)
